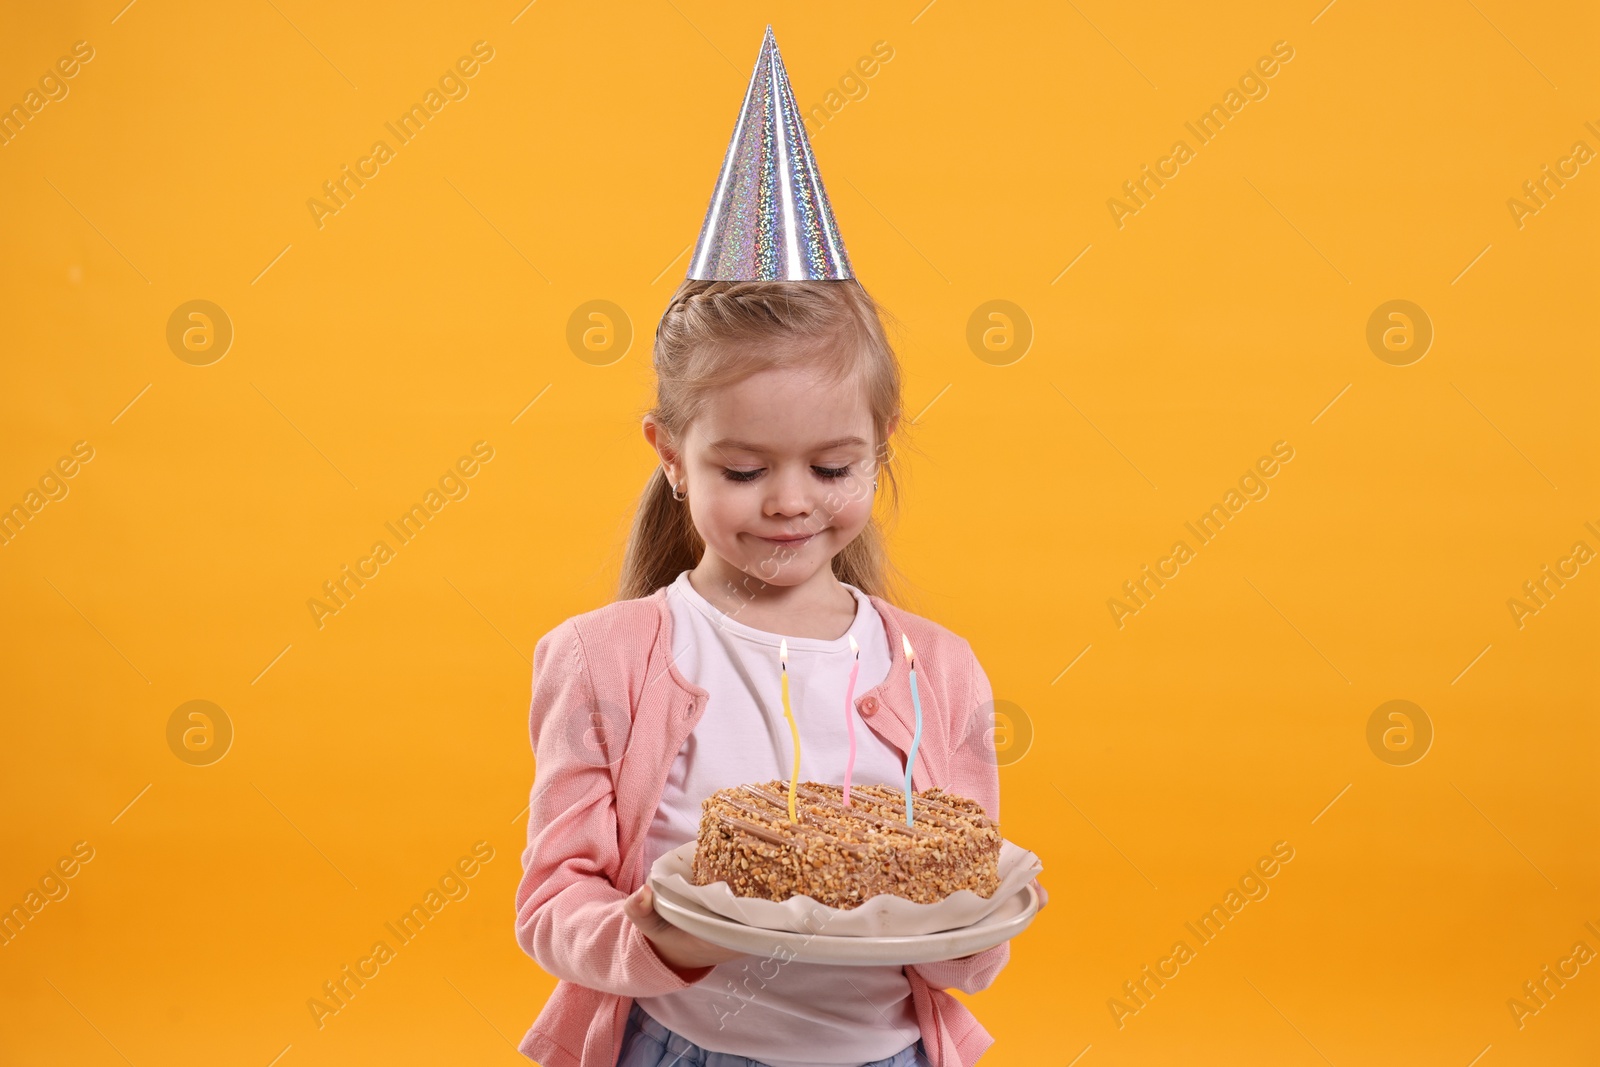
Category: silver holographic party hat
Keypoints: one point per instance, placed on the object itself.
(769, 218)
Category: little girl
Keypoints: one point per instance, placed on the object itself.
(777, 395)
(775, 401)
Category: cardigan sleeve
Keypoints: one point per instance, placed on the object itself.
(569, 909)
(975, 773)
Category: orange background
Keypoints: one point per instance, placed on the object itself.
(1229, 313)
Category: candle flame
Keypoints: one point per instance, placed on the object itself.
(783, 653)
(853, 646)
(910, 655)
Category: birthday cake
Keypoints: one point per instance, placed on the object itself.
(843, 856)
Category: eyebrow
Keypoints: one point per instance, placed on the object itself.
(743, 446)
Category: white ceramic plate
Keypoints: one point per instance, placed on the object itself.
(1002, 924)
(884, 915)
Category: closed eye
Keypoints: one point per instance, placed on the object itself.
(829, 473)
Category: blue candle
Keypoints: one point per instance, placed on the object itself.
(916, 739)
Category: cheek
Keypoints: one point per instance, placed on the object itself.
(723, 512)
(852, 508)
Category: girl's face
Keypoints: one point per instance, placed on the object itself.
(779, 471)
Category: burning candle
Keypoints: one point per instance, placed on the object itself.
(916, 739)
(794, 731)
(850, 717)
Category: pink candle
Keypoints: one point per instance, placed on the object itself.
(850, 717)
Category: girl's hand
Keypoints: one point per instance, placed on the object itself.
(679, 949)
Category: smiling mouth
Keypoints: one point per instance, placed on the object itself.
(790, 541)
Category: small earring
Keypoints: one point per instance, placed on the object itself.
(677, 495)
(874, 483)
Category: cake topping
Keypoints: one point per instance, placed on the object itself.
(857, 811)
(842, 856)
(754, 830)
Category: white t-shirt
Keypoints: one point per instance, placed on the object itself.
(756, 1006)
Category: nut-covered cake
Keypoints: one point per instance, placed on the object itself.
(842, 856)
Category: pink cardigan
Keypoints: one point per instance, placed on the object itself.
(609, 714)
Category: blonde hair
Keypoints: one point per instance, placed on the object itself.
(715, 334)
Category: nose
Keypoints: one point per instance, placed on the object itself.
(788, 494)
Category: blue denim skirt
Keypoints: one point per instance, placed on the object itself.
(646, 1043)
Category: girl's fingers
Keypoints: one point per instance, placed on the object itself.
(640, 908)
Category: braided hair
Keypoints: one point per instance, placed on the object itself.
(714, 334)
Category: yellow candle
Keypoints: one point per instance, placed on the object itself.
(794, 731)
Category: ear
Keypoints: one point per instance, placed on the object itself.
(888, 437)
(659, 440)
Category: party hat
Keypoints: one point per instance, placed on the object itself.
(769, 218)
